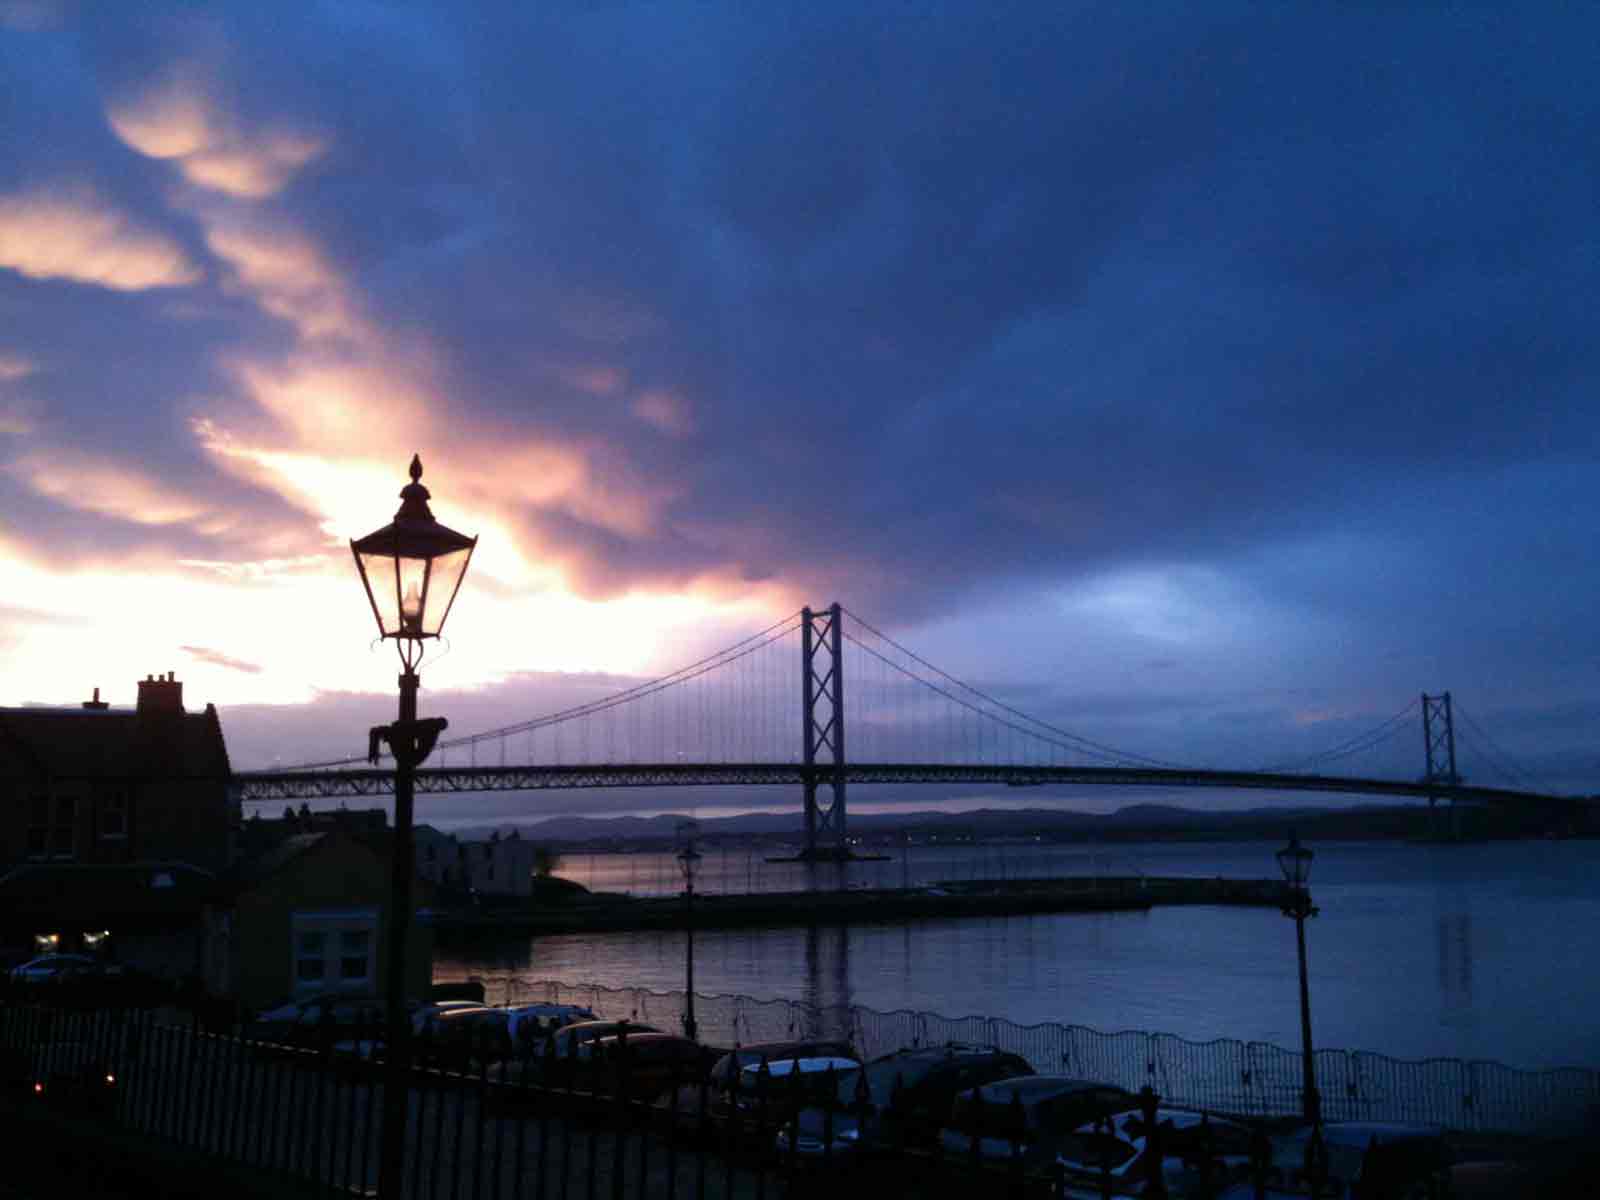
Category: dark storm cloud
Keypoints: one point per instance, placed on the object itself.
(972, 299)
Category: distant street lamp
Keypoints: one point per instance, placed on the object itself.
(1294, 860)
(412, 569)
(688, 863)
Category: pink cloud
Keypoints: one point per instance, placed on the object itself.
(179, 117)
(666, 411)
(72, 235)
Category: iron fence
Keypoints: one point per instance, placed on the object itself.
(495, 1120)
(480, 1122)
(1246, 1079)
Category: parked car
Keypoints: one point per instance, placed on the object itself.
(425, 1016)
(1042, 1112)
(554, 1061)
(458, 989)
(724, 1069)
(1200, 1154)
(1366, 1160)
(903, 1098)
(757, 1099)
(575, 1040)
(49, 967)
(317, 1022)
(643, 1065)
(474, 1038)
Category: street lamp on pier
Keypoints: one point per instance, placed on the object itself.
(1294, 860)
(411, 569)
(688, 863)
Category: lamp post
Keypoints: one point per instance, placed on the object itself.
(1294, 860)
(411, 569)
(688, 862)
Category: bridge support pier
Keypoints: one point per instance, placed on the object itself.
(822, 712)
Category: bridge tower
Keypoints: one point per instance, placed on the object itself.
(1439, 750)
(822, 712)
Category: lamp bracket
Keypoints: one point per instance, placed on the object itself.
(409, 741)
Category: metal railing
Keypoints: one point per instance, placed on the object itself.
(481, 1122)
(1246, 1079)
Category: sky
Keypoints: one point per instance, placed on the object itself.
(1212, 379)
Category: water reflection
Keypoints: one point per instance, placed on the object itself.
(1472, 951)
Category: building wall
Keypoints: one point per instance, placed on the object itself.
(91, 787)
(338, 885)
(492, 867)
(500, 868)
(172, 955)
(98, 821)
(181, 821)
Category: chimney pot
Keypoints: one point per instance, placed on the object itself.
(161, 695)
(96, 704)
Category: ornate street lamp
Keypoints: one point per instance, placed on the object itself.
(412, 569)
(688, 863)
(1294, 860)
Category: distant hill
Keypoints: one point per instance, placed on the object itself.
(1137, 820)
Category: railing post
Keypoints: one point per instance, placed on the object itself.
(1155, 1187)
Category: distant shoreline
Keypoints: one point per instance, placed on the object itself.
(890, 833)
(951, 900)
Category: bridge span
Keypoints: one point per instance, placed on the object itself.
(266, 786)
(730, 720)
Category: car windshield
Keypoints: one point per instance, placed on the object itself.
(881, 1079)
(805, 1079)
(989, 1114)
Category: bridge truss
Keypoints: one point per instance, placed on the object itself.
(262, 786)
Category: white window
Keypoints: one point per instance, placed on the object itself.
(311, 958)
(355, 956)
(333, 950)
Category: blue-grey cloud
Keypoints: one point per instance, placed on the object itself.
(927, 310)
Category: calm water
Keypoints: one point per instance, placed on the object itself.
(1479, 951)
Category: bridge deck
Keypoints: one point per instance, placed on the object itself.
(262, 786)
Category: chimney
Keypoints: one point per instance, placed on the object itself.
(97, 704)
(160, 695)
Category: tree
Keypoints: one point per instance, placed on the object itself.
(545, 861)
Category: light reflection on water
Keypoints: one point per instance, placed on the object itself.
(1477, 951)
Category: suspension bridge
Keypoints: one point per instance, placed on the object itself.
(746, 717)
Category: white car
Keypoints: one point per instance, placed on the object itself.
(49, 966)
(1118, 1148)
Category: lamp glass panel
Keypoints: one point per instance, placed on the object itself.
(412, 574)
(1295, 863)
(378, 571)
(443, 581)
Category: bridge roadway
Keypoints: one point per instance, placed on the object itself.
(264, 786)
